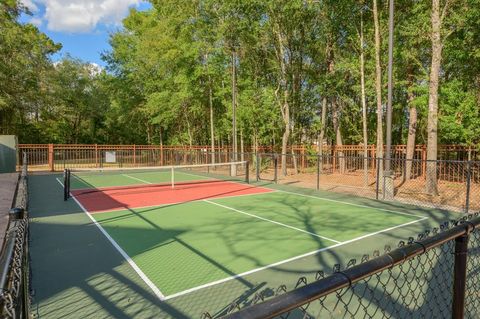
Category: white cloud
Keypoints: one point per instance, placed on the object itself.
(36, 21)
(30, 5)
(79, 16)
(94, 69)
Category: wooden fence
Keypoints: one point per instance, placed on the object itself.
(54, 157)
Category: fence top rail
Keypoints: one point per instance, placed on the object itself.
(353, 146)
(346, 278)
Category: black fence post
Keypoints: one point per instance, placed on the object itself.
(257, 166)
(318, 172)
(275, 164)
(247, 173)
(66, 184)
(460, 276)
(469, 179)
(377, 178)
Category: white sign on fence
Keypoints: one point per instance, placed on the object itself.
(110, 157)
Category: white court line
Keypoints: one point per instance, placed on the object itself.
(138, 179)
(351, 204)
(206, 177)
(187, 291)
(178, 203)
(271, 221)
(213, 283)
(137, 269)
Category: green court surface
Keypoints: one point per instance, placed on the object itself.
(179, 260)
(84, 180)
(185, 246)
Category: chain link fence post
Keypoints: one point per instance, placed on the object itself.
(275, 164)
(377, 178)
(318, 172)
(460, 276)
(469, 179)
(257, 166)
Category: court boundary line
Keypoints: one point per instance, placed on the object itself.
(351, 204)
(272, 221)
(169, 183)
(138, 179)
(213, 283)
(122, 252)
(178, 203)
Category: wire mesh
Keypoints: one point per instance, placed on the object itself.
(416, 280)
(14, 262)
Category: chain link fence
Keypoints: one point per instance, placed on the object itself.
(14, 260)
(457, 182)
(436, 275)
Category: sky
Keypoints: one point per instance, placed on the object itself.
(81, 26)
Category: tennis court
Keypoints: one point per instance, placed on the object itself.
(184, 229)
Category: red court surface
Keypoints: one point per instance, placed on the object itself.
(111, 199)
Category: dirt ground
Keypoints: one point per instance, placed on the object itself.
(452, 195)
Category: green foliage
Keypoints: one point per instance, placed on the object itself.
(167, 62)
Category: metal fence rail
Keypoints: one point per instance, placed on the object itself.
(436, 276)
(14, 260)
(346, 171)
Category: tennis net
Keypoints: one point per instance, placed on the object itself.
(107, 178)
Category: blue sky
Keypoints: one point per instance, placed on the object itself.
(81, 26)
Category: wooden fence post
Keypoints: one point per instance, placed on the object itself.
(303, 157)
(96, 156)
(334, 159)
(50, 158)
(134, 155)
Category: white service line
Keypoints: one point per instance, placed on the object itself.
(271, 221)
(137, 269)
(138, 179)
(213, 283)
(206, 177)
(188, 202)
(187, 291)
(351, 204)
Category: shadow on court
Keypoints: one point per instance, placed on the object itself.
(78, 273)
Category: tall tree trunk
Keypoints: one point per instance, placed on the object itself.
(242, 149)
(160, 136)
(321, 138)
(338, 135)
(234, 107)
(378, 89)
(189, 131)
(210, 105)
(431, 173)
(330, 66)
(284, 106)
(364, 106)
(412, 128)
(149, 134)
(212, 132)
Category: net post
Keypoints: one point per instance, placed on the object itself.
(172, 177)
(460, 276)
(69, 179)
(65, 187)
(469, 180)
(318, 172)
(247, 173)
